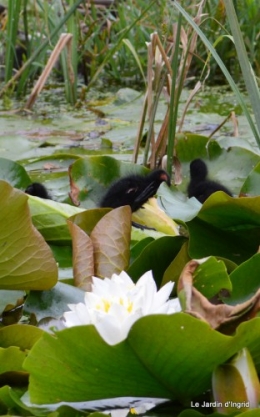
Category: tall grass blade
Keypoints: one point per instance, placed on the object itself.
(247, 71)
(14, 7)
(135, 55)
(223, 68)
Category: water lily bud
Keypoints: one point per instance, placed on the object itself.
(235, 384)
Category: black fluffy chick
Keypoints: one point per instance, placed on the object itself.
(134, 190)
(37, 190)
(200, 187)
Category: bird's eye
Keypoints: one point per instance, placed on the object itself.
(130, 190)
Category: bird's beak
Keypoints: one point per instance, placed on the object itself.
(165, 177)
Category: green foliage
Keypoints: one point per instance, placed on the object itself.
(150, 361)
(29, 264)
(158, 350)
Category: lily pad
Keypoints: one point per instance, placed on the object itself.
(26, 260)
(49, 217)
(226, 227)
(251, 185)
(52, 303)
(180, 344)
(245, 280)
(229, 167)
(14, 173)
(156, 256)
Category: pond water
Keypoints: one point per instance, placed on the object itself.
(107, 123)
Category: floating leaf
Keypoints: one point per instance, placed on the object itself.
(26, 260)
(177, 205)
(156, 256)
(52, 303)
(174, 270)
(226, 227)
(161, 357)
(22, 336)
(14, 173)
(251, 185)
(245, 280)
(49, 217)
(211, 277)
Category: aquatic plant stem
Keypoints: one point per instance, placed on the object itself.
(173, 100)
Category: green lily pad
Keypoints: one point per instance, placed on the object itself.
(14, 173)
(11, 359)
(251, 185)
(53, 303)
(26, 260)
(23, 336)
(245, 281)
(191, 146)
(173, 271)
(177, 205)
(172, 368)
(49, 217)
(211, 277)
(156, 256)
(226, 227)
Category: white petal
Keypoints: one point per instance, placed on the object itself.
(174, 306)
(110, 330)
(162, 295)
(78, 316)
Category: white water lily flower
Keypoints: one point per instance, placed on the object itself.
(115, 304)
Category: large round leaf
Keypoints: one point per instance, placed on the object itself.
(49, 217)
(251, 185)
(245, 280)
(164, 356)
(14, 173)
(226, 227)
(26, 261)
(156, 256)
(52, 303)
